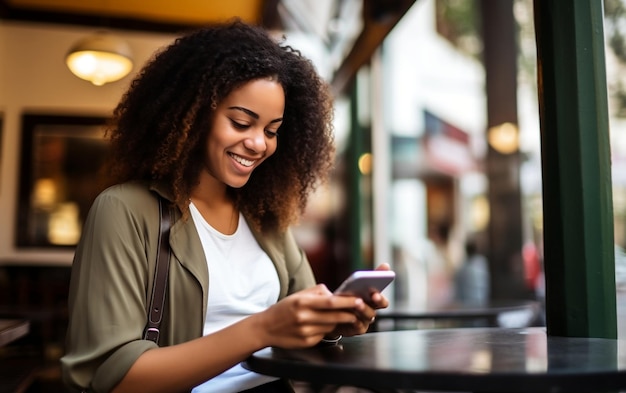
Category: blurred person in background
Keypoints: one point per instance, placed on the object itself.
(471, 280)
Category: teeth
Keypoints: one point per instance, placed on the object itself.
(242, 160)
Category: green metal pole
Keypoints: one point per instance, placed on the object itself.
(355, 198)
(577, 203)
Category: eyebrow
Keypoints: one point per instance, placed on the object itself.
(253, 114)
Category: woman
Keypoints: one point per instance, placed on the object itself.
(235, 131)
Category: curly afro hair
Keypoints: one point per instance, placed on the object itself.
(159, 128)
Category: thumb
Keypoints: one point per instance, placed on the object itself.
(321, 289)
(383, 266)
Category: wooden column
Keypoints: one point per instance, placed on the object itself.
(505, 226)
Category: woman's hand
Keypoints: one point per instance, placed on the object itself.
(365, 313)
(302, 319)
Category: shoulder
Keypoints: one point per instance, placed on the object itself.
(127, 191)
(131, 199)
(122, 214)
(130, 194)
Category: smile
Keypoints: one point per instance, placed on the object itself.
(241, 160)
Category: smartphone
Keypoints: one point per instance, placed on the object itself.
(363, 282)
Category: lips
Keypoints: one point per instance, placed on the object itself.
(243, 161)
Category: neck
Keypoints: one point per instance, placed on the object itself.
(210, 191)
(220, 212)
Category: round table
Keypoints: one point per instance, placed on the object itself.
(464, 359)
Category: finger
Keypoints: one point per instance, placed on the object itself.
(338, 302)
(328, 315)
(323, 301)
(365, 315)
(324, 317)
(319, 289)
(361, 326)
(378, 300)
(337, 318)
(383, 266)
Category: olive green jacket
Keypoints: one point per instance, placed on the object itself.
(112, 277)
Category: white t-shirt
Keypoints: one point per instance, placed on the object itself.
(242, 281)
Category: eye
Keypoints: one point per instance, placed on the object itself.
(271, 134)
(237, 125)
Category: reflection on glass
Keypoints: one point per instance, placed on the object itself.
(44, 194)
(60, 177)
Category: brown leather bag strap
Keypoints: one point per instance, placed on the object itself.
(157, 301)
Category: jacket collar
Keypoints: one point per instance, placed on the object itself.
(161, 189)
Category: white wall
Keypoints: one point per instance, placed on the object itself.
(426, 72)
(34, 78)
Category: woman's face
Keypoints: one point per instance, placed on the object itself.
(244, 131)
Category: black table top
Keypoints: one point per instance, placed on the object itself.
(464, 359)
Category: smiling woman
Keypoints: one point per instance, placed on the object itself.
(233, 130)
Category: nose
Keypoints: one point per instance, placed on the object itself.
(255, 141)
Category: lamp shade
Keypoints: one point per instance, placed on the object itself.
(100, 58)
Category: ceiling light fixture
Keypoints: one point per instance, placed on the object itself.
(100, 58)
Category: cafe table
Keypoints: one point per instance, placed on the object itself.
(506, 313)
(455, 360)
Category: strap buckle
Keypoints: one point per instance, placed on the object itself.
(152, 334)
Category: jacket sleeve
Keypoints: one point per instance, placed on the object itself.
(107, 298)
